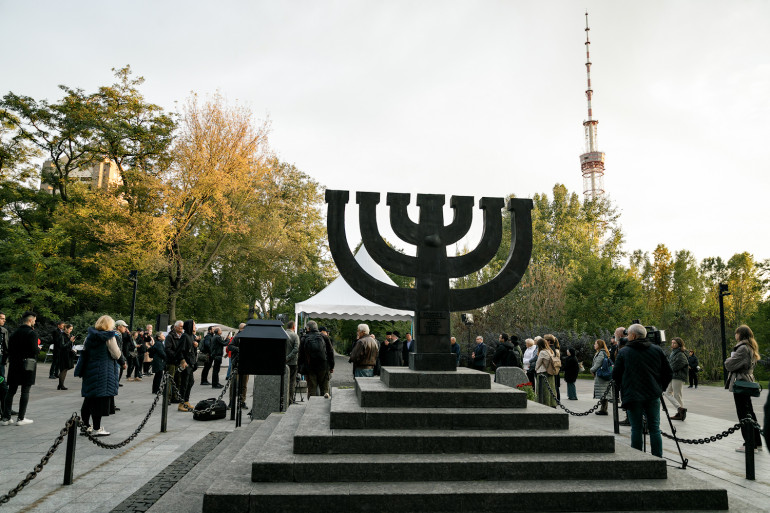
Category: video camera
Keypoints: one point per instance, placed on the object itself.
(654, 335)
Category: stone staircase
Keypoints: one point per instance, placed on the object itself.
(413, 441)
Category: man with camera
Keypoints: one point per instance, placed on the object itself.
(642, 373)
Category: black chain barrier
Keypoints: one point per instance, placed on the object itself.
(70, 424)
(221, 394)
(718, 436)
(576, 414)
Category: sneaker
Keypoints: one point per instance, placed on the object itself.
(129, 379)
(101, 432)
(5, 422)
(24, 422)
(87, 431)
(326, 396)
(120, 384)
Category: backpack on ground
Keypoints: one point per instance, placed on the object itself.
(554, 365)
(605, 371)
(219, 411)
(315, 350)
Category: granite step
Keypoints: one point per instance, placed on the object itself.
(678, 492)
(346, 413)
(404, 377)
(625, 463)
(314, 435)
(222, 476)
(372, 392)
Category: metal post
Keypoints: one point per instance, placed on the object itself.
(69, 462)
(749, 447)
(133, 276)
(164, 407)
(540, 389)
(237, 399)
(722, 293)
(615, 421)
(235, 393)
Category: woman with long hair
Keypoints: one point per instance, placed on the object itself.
(600, 384)
(544, 355)
(99, 368)
(553, 343)
(679, 364)
(740, 365)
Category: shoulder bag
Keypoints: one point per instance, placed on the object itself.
(749, 388)
(30, 364)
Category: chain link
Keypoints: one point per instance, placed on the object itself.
(221, 394)
(576, 414)
(70, 424)
(95, 439)
(718, 436)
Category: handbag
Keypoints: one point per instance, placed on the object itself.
(30, 364)
(749, 388)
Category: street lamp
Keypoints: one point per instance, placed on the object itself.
(133, 276)
(467, 319)
(723, 291)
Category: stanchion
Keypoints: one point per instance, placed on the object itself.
(540, 389)
(615, 421)
(237, 399)
(69, 461)
(749, 448)
(235, 393)
(164, 406)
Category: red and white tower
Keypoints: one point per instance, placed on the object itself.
(592, 161)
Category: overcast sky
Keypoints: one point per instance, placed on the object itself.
(477, 98)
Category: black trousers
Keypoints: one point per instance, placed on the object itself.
(215, 370)
(206, 369)
(744, 408)
(185, 382)
(156, 379)
(23, 399)
(693, 377)
(3, 394)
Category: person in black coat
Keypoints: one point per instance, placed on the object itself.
(57, 339)
(479, 355)
(3, 361)
(157, 352)
(217, 352)
(392, 351)
(642, 373)
(21, 345)
(186, 357)
(65, 360)
(571, 370)
(692, 362)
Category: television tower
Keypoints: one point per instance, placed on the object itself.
(592, 161)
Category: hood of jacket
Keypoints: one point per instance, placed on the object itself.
(188, 327)
(97, 336)
(638, 344)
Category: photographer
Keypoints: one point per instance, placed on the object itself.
(642, 373)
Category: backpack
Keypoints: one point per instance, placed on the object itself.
(219, 410)
(513, 358)
(605, 371)
(315, 350)
(554, 365)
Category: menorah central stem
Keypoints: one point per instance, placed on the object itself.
(432, 351)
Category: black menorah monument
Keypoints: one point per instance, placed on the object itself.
(431, 299)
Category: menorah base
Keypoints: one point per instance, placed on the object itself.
(432, 361)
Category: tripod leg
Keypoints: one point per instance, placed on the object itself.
(673, 432)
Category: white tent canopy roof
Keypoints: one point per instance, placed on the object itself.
(339, 301)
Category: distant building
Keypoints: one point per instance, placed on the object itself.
(100, 175)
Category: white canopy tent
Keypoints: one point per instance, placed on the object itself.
(339, 301)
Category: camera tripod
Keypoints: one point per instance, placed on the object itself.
(645, 432)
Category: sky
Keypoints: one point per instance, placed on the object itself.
(480, 98)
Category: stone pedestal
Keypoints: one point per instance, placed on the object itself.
(511, 376)
(268, 394)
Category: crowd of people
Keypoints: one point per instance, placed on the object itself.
(642, 372)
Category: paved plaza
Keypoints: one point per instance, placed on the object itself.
(107, 480)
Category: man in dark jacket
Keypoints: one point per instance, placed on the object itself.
(316, 353)
(127, 346)
(642, 373)
(479, 355)
(5, 418)
(22, 345)
(217, 352)
(408, 348)
(392, 351)
(186, 359)
(172, 344)
(501, 357)
(206, 349)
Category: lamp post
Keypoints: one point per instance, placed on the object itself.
(723, 291)
(467, 319)
(133, 276)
